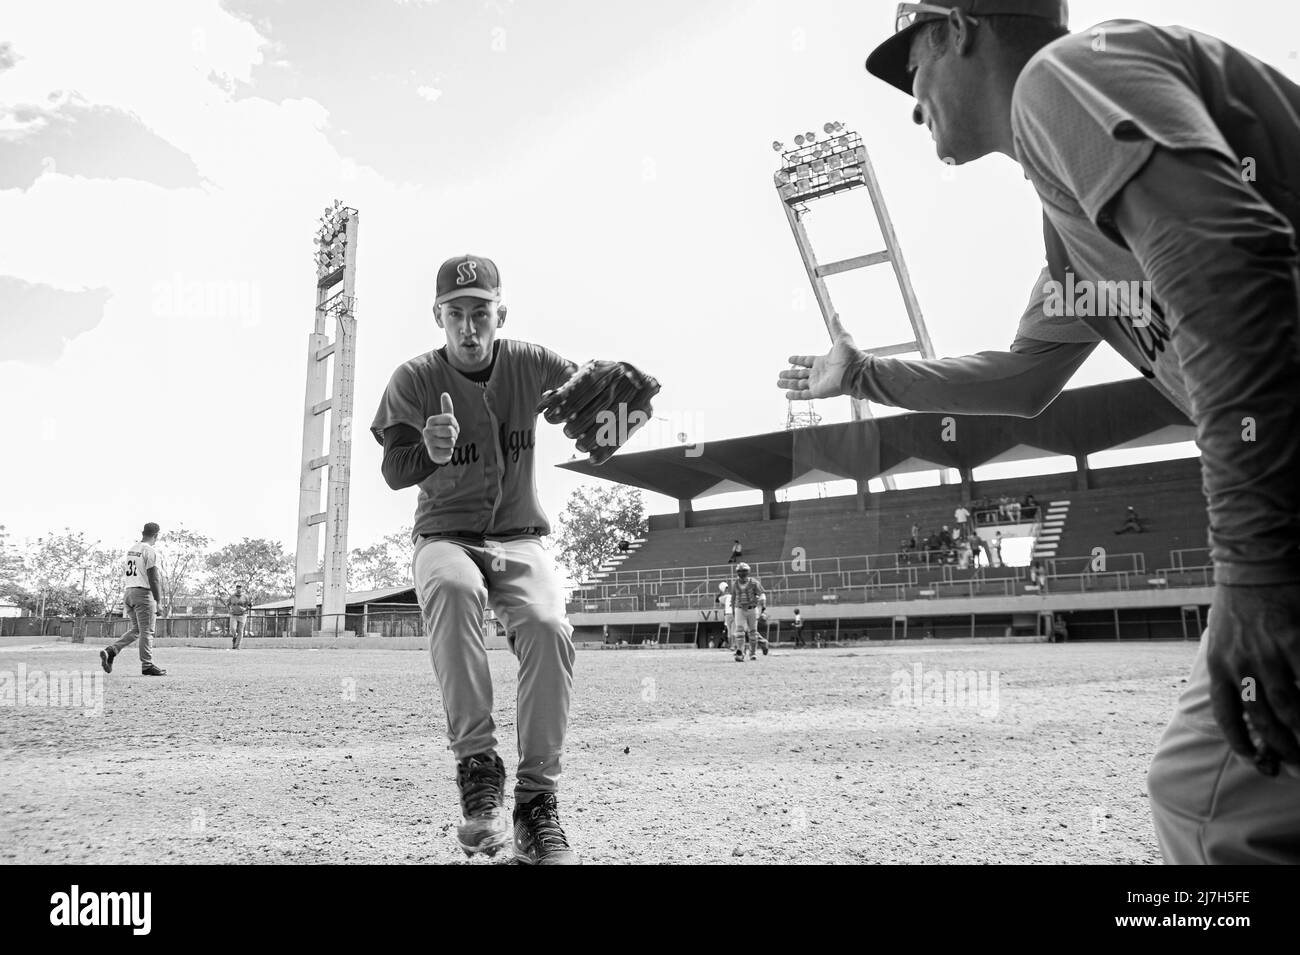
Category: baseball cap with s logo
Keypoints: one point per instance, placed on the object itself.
(469, 276)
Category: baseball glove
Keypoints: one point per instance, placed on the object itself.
(601, 406)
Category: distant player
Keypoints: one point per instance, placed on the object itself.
(458, 422)
(728, 615)
(798, 629)
(1164, 160)
(748, 600)
(237, 605)
(142, 598)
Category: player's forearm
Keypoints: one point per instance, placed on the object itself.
(1021, 382)
(1232, 297)
(406, 460)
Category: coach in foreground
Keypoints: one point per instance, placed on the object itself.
(1165, 162)
(458, 422)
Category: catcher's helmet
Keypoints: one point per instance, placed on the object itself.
(742, 568)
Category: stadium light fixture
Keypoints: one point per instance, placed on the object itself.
(331, 239)
(814, 169)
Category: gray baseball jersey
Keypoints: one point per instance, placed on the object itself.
(488, 484)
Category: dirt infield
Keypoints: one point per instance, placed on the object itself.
(1007, 753)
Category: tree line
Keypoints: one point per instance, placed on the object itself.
(65, 573)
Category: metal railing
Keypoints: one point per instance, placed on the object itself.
(1189, 557)
(1069, 566)
(977, 585)
(706, 577)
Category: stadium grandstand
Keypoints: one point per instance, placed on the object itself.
(852, 566)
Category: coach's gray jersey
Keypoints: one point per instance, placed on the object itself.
(488, 485)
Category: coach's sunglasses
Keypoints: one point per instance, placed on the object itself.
(908, 14)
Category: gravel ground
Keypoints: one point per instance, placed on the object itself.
(809, 756)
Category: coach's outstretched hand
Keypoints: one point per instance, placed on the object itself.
(441, 432)
(1253, 652)
(820, 376)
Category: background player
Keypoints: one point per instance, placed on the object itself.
(748, 599)
(459, 423)
(142, 600)
(237, 605)
(1162, 157)
(728, 614)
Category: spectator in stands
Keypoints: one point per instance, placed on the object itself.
(997, 549)
(1132, 523)
(624, 545)
(963, 554)
(1013, 510)
(916, 535)
(798, 629)
(1004, 503)
(962, 516)
(906, 548)
(1030, 504)
(735, 552)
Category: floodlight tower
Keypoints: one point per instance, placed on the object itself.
(819, 168)
(800, 414)
(336, 266)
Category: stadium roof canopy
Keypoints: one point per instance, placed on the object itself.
(1126, 414)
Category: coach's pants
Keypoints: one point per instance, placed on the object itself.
(142, 611)
(236, 630)
(455, 581)
(1211, 806)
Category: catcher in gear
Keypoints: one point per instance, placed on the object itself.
(458, 423)
(601, 406)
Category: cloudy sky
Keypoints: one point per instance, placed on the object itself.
(162, 166)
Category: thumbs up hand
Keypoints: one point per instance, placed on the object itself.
(441, 432)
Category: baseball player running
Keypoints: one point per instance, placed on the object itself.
(458, 422)
(748, 599)
(142, 600)
(1164, 160)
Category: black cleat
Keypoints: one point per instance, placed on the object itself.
(740, 656)
(483, 829)
(152, 670)
(106, 659)
(539, 840)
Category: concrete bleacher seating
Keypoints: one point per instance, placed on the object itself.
(1169, 500)
(815, 551)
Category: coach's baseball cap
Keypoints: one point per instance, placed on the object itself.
(468, 275)
(889, 60)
